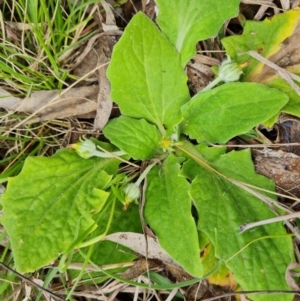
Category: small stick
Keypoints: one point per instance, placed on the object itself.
(284, 74)
(54, 296)
(248, 226)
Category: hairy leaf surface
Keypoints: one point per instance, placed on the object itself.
(229, 110)
(147, 80)
(257, 258)
(108, 252)
(276, 39)
(187, 22)
(49, 206)
(138, 138)
(168, 211)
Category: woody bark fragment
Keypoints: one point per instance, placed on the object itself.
(282, 167)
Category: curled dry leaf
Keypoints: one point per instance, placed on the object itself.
(99, 54)
(156, 258)
(11, 33)
(290, 276)
(104, 103)
(110, 18)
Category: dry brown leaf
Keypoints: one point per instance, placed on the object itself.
(75, 101)
(178, 273)
(199, 74)
(290, 55)
(91, 56)
(11, 33)
(109, 15)
(8, 101)
(86, 101)
(149, 8)
(140, 267)
(85, 52)
(137, 243)
(104, 103)
(282, 164)
(99, 55)
(206, 60)
(19, 26)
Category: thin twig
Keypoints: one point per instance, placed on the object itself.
(31, 282)
(248, 226)
(270, 292)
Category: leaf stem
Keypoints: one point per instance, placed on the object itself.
(190, 150)
(109, 155)
(229, 71)
(144, 173)
(212, 84)
(98, 238)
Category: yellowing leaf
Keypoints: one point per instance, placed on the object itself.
(253, 256)
(222, 276)
(276, 39)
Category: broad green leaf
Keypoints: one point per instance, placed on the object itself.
(185, 22)
(168, 211)
(293, 106)
(229, 110)
(50, 205)
(138, 138)
(147, 80)
(253, 256)
(190, 170)
(276, 39)
(128, 220)
(108, 252)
